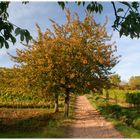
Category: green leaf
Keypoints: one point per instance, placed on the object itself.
(120, 10)
(89, 8)
(78, 3)
(6, 45)
(1, 41)
(100, 8)
(135, 5)
(13, 39)
(22, 36)
(83, 3)
(27, 36)
(62, 4)
(17, 31)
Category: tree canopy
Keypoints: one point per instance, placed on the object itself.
(72, 57)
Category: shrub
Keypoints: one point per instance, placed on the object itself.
(136, 123)
(133, 98)
(115, 110)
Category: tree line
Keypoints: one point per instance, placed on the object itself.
(132, 84)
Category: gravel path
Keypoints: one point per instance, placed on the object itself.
(88, 123)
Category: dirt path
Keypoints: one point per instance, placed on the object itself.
(88, 123)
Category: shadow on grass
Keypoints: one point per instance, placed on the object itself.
(52, 125)
(29, 127)
(34, 123)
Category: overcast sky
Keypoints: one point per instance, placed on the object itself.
(26, 16)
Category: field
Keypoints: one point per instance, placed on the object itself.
(11, 98)
(28, 117)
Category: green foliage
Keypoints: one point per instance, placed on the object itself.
(133, 98)
(136, 123)
(115, 108)
(8, 30)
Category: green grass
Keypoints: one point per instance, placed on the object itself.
(121, 117)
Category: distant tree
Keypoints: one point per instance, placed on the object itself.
(73, 57)
(134, 82)
(115, 80)
(124, 85)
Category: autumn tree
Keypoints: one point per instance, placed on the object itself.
(80, 57)
(70, 58)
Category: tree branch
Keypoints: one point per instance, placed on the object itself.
(124, 15)
(114, 7)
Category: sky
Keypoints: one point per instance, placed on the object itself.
(26, 16)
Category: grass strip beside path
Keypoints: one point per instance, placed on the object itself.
(125, 130)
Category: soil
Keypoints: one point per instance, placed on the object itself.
(88, 123)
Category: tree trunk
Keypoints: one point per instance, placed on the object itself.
(56, 103)
(66, 105)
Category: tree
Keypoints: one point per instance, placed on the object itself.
(127, 21)
(134, 82)
(80, 58)
(8, 30)
(73, 57)
(115, 80)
